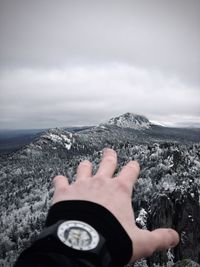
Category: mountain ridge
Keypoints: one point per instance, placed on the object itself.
(127, 127)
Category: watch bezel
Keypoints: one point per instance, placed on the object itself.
(84, 228)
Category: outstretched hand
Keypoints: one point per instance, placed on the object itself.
(114, 193)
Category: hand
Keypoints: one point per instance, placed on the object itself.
(115, 195)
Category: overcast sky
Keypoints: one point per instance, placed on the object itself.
(80, 62)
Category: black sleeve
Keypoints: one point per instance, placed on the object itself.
(118, 243)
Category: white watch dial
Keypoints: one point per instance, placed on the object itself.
(78, 235)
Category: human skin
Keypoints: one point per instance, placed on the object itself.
(114, 193)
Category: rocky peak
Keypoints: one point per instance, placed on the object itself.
(130, 120)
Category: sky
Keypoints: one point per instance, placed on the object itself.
(81, 62)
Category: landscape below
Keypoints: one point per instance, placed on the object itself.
(166, 194)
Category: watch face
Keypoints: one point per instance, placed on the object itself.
(78, 235)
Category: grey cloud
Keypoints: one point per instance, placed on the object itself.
(91, 94)
(80, 62)
(155, 34)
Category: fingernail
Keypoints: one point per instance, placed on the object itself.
(107, 149)
(175, 237)
(134, 163)
(85, 162)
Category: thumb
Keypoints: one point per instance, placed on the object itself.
(145, 242)
(164, 238)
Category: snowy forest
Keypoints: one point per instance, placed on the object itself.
(166, 194)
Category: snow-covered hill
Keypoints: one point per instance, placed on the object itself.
(166, 195)
(130, 120)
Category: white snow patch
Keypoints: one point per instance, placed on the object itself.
(54, 137)
(170, 256)
(142, 218)
(68, 146)
(157, 123)
(64, 137)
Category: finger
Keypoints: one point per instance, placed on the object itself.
(146, 242)
(164, 238)
(60, 182)
(84, 170)
(108, 163)
(129, 174)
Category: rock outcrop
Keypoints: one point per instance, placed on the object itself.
(179, 210)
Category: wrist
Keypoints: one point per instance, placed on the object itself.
(73, 239)
(118, 242)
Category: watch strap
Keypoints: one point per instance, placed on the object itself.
(118, 242)
(49, 243)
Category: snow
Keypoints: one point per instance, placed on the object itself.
(168, 183)
(142, 218)
(65, 138)
(157, 123)
(68, 146)
(54, 138)
(61, 139)
(170, 257)
(130, 120)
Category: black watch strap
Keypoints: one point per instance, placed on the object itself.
(48, 242)
(118, 242)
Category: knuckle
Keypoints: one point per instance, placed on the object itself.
(122, 186)
(97, 178)
(62, 190)
(99, 181)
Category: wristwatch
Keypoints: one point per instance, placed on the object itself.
(78, 235)
(76, 239)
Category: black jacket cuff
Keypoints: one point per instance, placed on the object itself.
(117, 240)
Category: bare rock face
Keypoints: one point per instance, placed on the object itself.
(186, 263)
(181, 211)
(188, 225)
